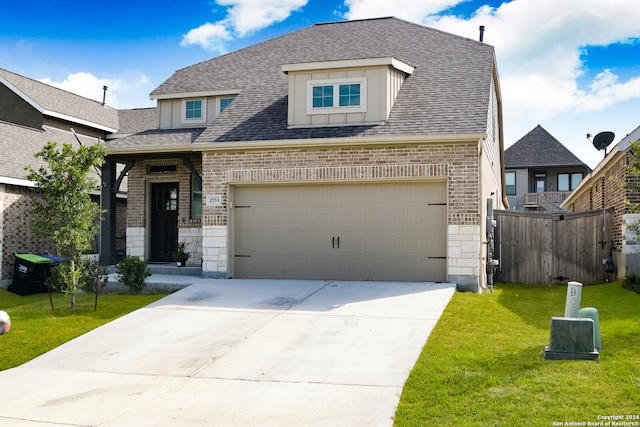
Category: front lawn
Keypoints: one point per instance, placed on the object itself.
(35, 329)
(483, 363)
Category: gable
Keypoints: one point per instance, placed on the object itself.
(312, 85)
(539, 148)
(60, 104)
(447, 94)
(14, 109)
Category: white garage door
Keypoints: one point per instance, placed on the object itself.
(394, 231)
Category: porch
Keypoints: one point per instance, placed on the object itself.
(548, 201)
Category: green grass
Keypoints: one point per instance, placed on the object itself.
(36, 329)
(483, 363)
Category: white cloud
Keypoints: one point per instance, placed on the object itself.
(208, 36)
(243, 17)
(87, 85)
(408, 10)
(247, 16)
(540, 48)
(539, 45)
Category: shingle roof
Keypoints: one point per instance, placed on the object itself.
(539, 148)
(137, 120)
(448, 92)
(60, 101)
(20, 143)
(159, 137)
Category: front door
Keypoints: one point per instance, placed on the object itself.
(540, 182)
(164, 220)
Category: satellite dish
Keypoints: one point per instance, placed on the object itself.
(602, 140)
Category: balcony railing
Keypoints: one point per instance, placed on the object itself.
(549, 201)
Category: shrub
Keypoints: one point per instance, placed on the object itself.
(631, 282)
(133, 272)
(88, 271)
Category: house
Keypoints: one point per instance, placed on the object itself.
(605, 188)
(32, 114)
(540, 172)
(358, 150)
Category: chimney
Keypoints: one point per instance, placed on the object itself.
(104, 95)
(481, 33)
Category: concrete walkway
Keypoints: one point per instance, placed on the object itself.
(236, 353)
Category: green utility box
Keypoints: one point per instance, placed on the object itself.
(29, 274)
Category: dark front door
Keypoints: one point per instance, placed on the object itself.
(164, 220)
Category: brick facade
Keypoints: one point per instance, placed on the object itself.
(16, 202)
(457, 163)
(607, 189)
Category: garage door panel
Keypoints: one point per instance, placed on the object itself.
(386, 231)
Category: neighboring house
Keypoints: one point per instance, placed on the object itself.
(359, 150)
(604, 188)
(32, 114)
(540, 172)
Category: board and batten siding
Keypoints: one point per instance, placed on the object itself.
(383, 84)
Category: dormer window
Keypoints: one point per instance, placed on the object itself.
(337, 96)
(224, 103)
(193, 111)
(346, 92)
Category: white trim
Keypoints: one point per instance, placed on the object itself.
(22, 95)
(203, 107)
(300, 143)
(336, 109)
(55, 114)
(199, 94)
(79, 121)
(349, 63)
(17, 181)
(336, 125)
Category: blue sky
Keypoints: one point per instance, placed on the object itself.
(572, 66)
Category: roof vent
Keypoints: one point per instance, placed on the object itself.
(481, 33)
(104, 95)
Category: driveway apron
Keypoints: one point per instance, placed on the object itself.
(236, 353)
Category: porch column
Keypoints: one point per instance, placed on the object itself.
(108, 222)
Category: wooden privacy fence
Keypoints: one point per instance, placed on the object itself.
(550, 248)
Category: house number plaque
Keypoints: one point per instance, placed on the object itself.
(214, 200)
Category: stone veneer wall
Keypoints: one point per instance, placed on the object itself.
(458, 163)
(630, 260)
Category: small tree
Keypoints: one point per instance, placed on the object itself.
(633, 174)
(65, 213)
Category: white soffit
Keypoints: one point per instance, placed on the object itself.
(201, 94)
(349, 63)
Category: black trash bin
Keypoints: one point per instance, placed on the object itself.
(29, 272)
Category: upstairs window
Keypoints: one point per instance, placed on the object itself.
(510, 183)
(569, 182)
(224, 103)
(193, 111)
(322, 96)
(336, 96)
(350, 95)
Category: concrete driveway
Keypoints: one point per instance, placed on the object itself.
(236, 353)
